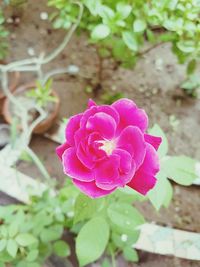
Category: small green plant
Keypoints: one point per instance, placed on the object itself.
(110, 97)
(122, 27)
(42, 94)
(30, 233)
(192, 85)
(3, 35)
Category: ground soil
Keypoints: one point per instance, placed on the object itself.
(153, 84)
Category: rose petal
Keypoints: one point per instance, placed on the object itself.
(61, 149)
(74, 168)
(91, 103)
(151, 162)
(144, 179)
(107, 173)
(84, 157)
(72, 126)
(96, 109)
(130, 114)
(94, 145)
(79, 135)
(155, 141)
(132, 140)
(102, 123)
(126, 178)
(125, 160)
(142, 183)
(91, 189)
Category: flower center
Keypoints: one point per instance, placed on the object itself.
(108, 146)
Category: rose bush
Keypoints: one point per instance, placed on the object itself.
(107, 147)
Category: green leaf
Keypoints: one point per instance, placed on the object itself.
(27, 264)
(32, 255)
(139, 25)
(3, 243)
(61, 248)
(12, 248)
(58, 23)
(130, 40)
(124, 217)
(161, 194)
(2, 264)
(150, 36)
(13, 229)
(169, 194)
(92, 240)
(5, 257)
(191, 66)
(52, 233)
(127, 194)
(101, 31)
(121, 240)
(4, 231)
(106, 13)
(25, 239)
(123, 9)
(157, 131)
(84, 208)
(180, 169)
(93, 6)
(130, 254)
(186, 46)
(106, 263)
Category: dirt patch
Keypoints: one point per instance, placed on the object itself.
(153, 85)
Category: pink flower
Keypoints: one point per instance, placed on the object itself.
(107, 147)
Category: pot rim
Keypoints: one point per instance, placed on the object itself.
(50, 117)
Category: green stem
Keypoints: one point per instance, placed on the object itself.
(113, 258)
(38, 163)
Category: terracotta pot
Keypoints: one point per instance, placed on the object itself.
(13, 82)
(43, 126)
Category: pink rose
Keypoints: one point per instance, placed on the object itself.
(107, 147)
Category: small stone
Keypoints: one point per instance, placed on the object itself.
(44, 15)
(113, 88)
(9, 20)
(72, 69)
(155, 91)
(159, 64)
(31, 51)
(177, 209)
(13, 36)
(17, 20)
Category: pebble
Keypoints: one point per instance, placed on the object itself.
(73, 69)
(31, 51)
(44, 15)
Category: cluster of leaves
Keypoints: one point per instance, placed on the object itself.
(192, 85)
(116, 217)
(42, 94)
(180, 169)
(124, 26)
(30, 233)
(3, 35)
